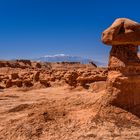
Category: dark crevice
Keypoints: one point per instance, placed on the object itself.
(122, 29)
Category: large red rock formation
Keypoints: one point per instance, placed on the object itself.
(123, 83)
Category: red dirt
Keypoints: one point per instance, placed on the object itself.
(58, 113)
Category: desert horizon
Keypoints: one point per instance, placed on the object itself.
(69, 70)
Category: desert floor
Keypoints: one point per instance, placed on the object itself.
(60, 113)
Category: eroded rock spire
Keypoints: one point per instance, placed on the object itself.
(123, 83)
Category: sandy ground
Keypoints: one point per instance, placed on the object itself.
(58, 113)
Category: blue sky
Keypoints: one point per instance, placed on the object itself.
(32, 28)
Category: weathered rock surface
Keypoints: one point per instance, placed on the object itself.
(14, 76)
(122, 32)
(17, 83)
(24, 73)
(36, 76)
(123, 82)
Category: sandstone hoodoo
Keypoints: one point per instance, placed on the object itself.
(123, 82)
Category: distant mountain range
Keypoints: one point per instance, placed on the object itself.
(65, 58)
(62, 58)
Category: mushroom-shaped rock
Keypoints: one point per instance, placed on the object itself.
(123, 31)
(123, 82)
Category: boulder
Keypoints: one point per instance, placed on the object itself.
(36, 76)
(17, 83)
(38, 65)
(71, 78)
(14, 76)
(27, 83)
(46, 83)
(98, 86)
(9, 83)
(90, 79)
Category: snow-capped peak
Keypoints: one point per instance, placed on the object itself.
(56, 55)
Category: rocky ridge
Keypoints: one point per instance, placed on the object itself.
(28, 74)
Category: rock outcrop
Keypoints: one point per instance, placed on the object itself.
(34, 75)
(123, 82)
(122, 32)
